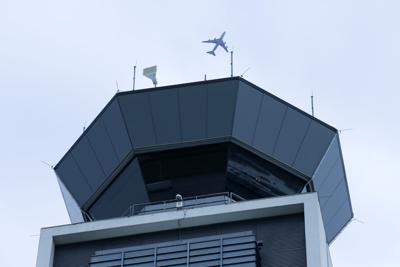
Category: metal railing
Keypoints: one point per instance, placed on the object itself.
(185, 203)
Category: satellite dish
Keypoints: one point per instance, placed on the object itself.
(150, 73)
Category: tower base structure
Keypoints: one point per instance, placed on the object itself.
(211, 173)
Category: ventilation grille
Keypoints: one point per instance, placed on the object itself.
(237, 249)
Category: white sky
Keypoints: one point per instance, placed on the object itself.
(59, 61)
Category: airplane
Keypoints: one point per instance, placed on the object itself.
(217, 42)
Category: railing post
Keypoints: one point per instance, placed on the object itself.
(155, 256)
(188, 254)
(221, 255)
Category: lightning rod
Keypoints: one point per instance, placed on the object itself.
(134, 76)
(231, 63)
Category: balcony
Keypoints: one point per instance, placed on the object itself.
(222, 198)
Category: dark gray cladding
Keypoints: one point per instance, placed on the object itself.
(181, 114)
(96, 154)
(331, 184)
(126, 189)
(225, 110)
(74, 211)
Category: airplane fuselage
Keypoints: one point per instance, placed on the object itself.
(217, 42)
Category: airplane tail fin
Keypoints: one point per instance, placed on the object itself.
(211, 53)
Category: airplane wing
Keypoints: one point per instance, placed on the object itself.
(213, 41)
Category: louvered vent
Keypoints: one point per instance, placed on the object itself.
(238, 249)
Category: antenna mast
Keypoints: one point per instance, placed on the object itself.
(312, 104)
(134, 76)
(231, 63)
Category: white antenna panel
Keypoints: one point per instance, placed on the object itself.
(150, 73)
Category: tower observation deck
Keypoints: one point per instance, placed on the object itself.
(212, 142)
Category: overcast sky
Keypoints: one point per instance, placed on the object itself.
(59, 62)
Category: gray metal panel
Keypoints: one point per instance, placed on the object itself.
(68, 172)
(331, 184)
(313, 148)
(327, 163)
(343, 215)
(269, 123)
(221, 101)
(74, 211)
(248, 106)
(332, 203)
(102, 146)
(116, 129)
(193, 111)
(139, 121)
(332, 181)
(291, 136)
(164, 106)
(88, 163)
(126, 189)
(284, 241)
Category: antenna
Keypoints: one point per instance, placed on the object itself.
(357, 220)
(150, 73)
(312, 104)
(205, 77)
(345, 130)
(47, 164)
(244, 72)
(134, 77)
(116, 83)
(232, 63)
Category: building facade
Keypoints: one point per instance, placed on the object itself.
(213, 173)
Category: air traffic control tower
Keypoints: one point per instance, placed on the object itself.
(211, 173)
